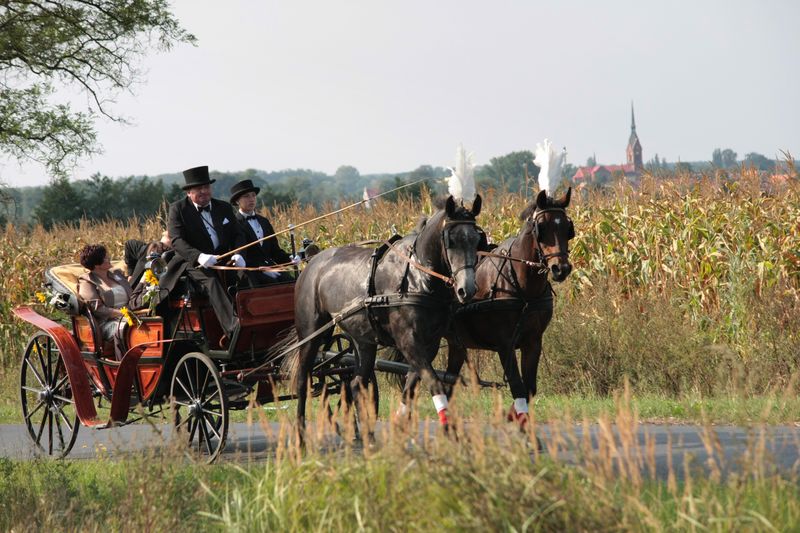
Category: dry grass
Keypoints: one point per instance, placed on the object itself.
(492, 477)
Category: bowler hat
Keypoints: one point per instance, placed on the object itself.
(243, 187)
(196, 176)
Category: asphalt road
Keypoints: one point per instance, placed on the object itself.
(664, 443)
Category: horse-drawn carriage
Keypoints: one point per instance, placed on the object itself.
(410, 299)
(170, 359)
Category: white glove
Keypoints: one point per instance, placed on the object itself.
(238, 260)
(295, 259)
(207, 260)
(272, 274)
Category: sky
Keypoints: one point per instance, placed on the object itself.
(389, 86)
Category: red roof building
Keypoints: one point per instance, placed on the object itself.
(602, 173)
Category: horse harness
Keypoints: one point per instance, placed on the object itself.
(402, 297)
(517, 300)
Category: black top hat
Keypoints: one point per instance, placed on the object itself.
(243, 187)
(196, 176)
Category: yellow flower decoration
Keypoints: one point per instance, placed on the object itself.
(42, 297)
(129, 317)
(150, 278)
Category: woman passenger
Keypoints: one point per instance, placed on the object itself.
(104, 291)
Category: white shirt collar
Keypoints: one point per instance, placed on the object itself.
(245, 213)
(199, 206)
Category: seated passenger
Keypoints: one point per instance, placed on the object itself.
(256, 227)
(104, 291)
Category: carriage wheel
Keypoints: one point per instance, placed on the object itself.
(48, 408)
(342, 344)
(201, 405)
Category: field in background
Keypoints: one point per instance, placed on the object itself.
(683, 286)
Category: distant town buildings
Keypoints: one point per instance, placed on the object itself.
(599, 174)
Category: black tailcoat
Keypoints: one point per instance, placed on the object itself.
(190, 238)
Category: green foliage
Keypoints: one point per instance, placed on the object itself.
(759, 161)
(99, 198)
(93, 46)
(60, 203)
(723, 158)
(511, 172)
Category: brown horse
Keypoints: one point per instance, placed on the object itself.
(513, 302)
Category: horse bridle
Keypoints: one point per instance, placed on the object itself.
(446, 239)
(534, 220)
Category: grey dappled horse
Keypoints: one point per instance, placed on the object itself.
(338, 278)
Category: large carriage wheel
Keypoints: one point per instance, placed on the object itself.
(48, 408)
(343, 345)
(201, 404)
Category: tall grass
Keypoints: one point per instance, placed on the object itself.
(492, 477)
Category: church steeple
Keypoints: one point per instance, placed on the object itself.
(634, 150)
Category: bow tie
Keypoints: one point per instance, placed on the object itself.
(251, 217)
(202, 208)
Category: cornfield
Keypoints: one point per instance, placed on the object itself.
(719, 260)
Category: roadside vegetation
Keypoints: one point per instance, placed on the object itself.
(492, 477)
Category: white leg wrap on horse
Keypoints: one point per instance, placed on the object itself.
(402, 410)
(440, 402)
(521, 405)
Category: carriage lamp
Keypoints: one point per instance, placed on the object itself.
(157, 264)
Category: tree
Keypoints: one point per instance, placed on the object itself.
(654, 164)
(728, 158)
(346, 173)
(60, 203)
(91, 45)
(271, 196)
(509, 169)
(716, 158)
(591, 161)
(761, 162)
(723, 158)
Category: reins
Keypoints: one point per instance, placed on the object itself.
(292, 227)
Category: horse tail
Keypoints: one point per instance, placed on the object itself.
(398, 380)
(291, 360)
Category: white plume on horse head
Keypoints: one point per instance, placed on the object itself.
(461, 183)
(549, 163)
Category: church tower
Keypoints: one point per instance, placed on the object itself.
(634, 150)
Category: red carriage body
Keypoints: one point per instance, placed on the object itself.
(66, 366)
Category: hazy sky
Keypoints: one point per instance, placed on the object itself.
(386, 87)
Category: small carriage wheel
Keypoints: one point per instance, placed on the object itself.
(200, 404)
(48, 408)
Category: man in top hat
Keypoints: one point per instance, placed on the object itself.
(256, 227)
(201, 228)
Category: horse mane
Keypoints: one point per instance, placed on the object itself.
(423, 220)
